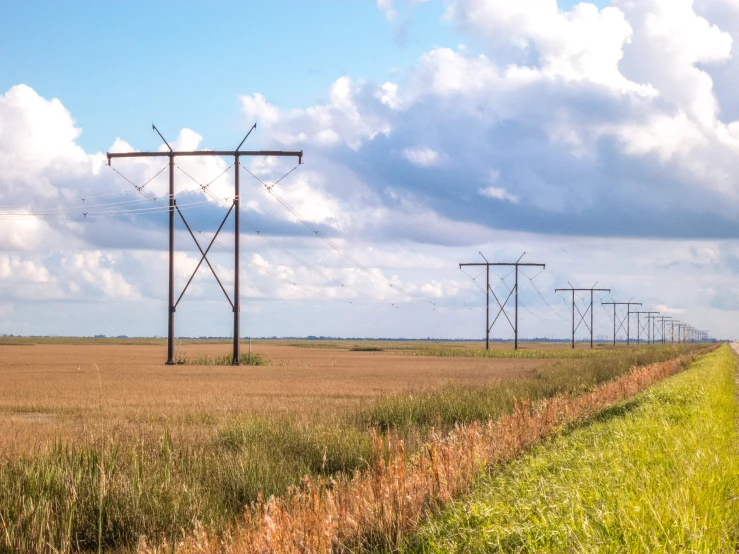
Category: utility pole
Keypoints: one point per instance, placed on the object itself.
(237, 155)
(650, 328)
(662, 319)
(639, 327)
(501, 305)
(654, 326)
(582, 316)
(621, 321)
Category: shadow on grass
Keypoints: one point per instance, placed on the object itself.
(604, 416)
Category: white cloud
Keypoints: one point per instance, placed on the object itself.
(388, 95)
(22, 270)
(498, 194)
(423, 156)
(585, 44)
(98, 269)
(348, 118)
(661, 308)
(387, 7)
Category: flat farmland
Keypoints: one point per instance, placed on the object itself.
(102, 443)
(51, 390)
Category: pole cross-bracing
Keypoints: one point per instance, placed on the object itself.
(501, 305)
(651, 322)
(591, 290)
(620, 320)
(237, 155)
(645, 327)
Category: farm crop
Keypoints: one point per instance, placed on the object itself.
(127, 449)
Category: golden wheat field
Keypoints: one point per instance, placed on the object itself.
(52, 389)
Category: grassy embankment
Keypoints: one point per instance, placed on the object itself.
(657, 473)
(119, 489)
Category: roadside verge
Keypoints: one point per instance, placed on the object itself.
(656, 473)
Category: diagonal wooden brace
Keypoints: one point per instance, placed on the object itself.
(204, 255)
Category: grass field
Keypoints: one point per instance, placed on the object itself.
(104, 442)
(657, 473)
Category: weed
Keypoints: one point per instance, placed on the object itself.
(226, 359)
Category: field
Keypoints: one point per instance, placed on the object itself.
(53, 390)
(101, 443)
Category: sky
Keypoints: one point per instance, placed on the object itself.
(600, 138)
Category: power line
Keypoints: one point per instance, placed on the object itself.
(319, 234)
(290, 254)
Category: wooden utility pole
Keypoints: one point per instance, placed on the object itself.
(237, 155)
(501, 305)
(638, 324)
(621, 321)
(582, 316)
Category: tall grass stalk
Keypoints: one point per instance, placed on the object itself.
(101, 462)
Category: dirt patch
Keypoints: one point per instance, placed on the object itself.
(28, 417)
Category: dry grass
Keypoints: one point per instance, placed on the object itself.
(376, 507)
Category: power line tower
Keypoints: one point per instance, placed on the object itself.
(662, 319)
(651, 326)
(621, 321)
(582, 316)
(682, 332)
(501, 305)
(237, 155)
(639, 327)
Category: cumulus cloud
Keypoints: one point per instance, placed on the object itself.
(498, 194)
(97, 270)
(661, 308)
(425, 157)
(349, 118)
(582, 110)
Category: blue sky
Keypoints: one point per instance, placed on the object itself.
(120, 66)
(601, 139)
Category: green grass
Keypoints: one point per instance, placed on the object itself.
(527, 352)
(226, 359)
(657, 473)
(443, 407)
(366, 349)
(161, 488)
